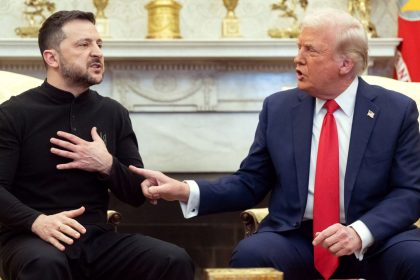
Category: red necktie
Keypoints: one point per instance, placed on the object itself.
(326, 192)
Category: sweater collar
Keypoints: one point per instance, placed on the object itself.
(62, 96)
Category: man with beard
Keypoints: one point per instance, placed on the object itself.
(62, 146)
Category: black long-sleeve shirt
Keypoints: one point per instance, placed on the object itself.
(30, 183)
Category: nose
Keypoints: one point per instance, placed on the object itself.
(97, 51)
(299, 58)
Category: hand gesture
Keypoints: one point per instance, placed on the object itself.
(59, 228)
(157, 185)
(340, 240)
(89, 156)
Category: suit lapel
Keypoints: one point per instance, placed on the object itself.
(364, 119)
(302, 116)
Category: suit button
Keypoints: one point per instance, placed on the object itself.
(296, 225)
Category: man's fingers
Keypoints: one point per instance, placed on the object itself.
(74, 213)
(147, 173)
(330, 241)
(70, 165)
(72, 228)
(147, 183)
(145, 187)
(63, 144)
(62, 238)
(56, 243)
(70, 137)
(157, 191)
(321, 236)
(70, 222)
(338, 239)
(341, 249)
(63, 153)
(153, 201)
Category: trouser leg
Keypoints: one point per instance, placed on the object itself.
(27, 257)
(141, 257)
(401, 261)
(289, 253)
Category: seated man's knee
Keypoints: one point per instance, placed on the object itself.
(409, 261)
(48, 260)
(398, 262)
(171, 262)
(178, 256)
(45, 264)
(291, 255)
(247, 254)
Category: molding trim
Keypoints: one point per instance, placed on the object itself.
(16, 49)
(232, 75)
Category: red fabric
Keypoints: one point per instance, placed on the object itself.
(326, 193)
(409, 31)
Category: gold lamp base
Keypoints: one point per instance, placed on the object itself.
(102, 22)
(163, 19)
(230, 27)
(230, 24)
(102, 25)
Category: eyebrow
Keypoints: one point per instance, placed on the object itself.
(90, 40)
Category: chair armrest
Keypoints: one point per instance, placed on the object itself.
(114, 218)
(251, 219)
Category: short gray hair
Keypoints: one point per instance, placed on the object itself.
(351, 38)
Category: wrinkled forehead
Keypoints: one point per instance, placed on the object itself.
(316, 36)
(79, 29)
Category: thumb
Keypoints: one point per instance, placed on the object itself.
(75, 212)
(95, 135)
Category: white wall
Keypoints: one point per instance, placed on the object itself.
(200, 141)
(200, 19)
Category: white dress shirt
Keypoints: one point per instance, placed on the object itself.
(344, 119)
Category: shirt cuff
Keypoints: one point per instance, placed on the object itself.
(190, 209)
(365, 235)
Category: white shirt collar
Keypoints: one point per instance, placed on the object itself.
(346, 100)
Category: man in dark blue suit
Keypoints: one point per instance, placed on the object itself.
(378, 167)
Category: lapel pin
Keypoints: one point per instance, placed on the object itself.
(371, 114)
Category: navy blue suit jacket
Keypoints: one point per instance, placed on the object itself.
(382, 181)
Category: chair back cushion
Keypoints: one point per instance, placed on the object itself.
(412, 90)
(13, 84)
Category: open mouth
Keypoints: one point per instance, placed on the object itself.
(299, 74)
(96, 65)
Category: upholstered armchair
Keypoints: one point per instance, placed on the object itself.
(251, 218)
(13, 84)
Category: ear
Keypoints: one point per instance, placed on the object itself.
(346, 65)
(51, 58)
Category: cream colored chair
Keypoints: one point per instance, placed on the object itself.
(251, 218)
(14, 84)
